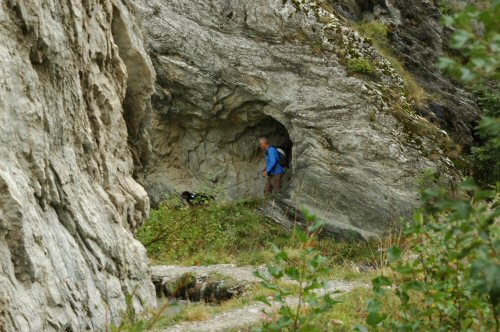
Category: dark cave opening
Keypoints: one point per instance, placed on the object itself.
(276, 133)
(220, 157)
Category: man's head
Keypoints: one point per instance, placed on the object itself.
(263, 143)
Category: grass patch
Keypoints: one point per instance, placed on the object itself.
(231, 233)
(377, 34)
(217, 233)
(351, 311)
(194, 312)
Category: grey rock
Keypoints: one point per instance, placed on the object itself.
(418, 39)
(230, 71)
(73, 76)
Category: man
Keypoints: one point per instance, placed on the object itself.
(273, 171)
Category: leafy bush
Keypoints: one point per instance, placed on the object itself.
(486, 156)
(479, 67)
(308, 273)
(451, 281)
(480, 47)
(360, 65)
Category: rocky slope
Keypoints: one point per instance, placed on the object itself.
(418, 39)
(229, 71)
(73, 76)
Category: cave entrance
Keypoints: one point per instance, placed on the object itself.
(220, 157)
(247, 178)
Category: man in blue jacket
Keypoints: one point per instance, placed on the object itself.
(273, 171)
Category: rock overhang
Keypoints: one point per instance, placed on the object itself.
(214, 69)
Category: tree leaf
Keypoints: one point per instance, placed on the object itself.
(393, 253)
(374, 318)
(301, 235)
(263, 299)
(292, 273)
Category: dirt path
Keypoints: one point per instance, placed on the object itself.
(173, 272)
(249, 315)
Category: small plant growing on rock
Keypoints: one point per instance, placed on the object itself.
(360, 65)
(300, 313)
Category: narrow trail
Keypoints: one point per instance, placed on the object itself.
(240, 273)
(251, 314)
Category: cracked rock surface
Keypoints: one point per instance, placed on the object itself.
(73, 76)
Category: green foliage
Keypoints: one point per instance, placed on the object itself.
(308, 273)
(451, 283)
(477, 37)
(360, 65)
(376, 31)
(431, 180)
(486, 157)
(447, 7)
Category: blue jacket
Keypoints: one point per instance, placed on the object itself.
(272, 165)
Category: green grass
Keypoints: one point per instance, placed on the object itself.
(230, 233)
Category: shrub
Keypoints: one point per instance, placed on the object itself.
(480, 47)
(360, 65)
(479, 68)
(451, 283)
(486, 156)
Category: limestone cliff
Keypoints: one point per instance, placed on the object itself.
(229, 71)
(73, 76)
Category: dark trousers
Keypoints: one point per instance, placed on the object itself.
(273, 184)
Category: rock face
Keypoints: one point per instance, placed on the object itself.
(229, 71)
(73, 76)
(418, 39)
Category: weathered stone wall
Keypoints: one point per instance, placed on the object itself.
(223, 66)
(73, 76)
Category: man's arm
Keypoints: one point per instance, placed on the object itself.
(273, 159)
